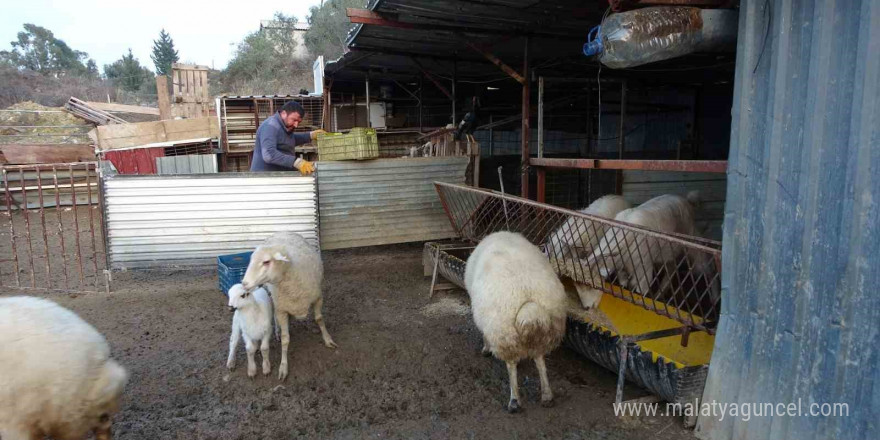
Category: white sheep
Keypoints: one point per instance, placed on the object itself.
(293, 271)
(633, 255)
(56, 375)
(518, 304)
(576, 238)
(252, 322)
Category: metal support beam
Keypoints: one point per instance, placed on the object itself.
(540, 117)
(369, 120)
(496, 61)
(526, 116)
(694, 166)
(454, 80)
(421, 87)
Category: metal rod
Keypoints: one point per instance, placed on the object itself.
(503, 200)
(43, 224)
(369, 119)
(491, 136)
(542, 181)
(699, 166)
(540, 119)
(454, 96)
(9, 201)
(421, 87)
(60, 225)
(92, 226)
(76, 226)
(103, 206)
(524, 175)
(27, 231)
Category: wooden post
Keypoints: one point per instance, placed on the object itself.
(542, 180)
(525, 125)
(164, 99)
(540, 116)
(454, 80)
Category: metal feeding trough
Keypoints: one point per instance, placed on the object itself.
(660, 339)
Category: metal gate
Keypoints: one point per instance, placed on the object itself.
(51, 228)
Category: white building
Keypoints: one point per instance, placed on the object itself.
(299, 34)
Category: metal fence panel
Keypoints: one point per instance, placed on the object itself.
(385, 201)
(51, 231)
(188, 220)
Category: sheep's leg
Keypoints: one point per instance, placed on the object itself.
(251, 351)
(264, 351)
(16, 433)
(486, 351)
(282, 318)
(233, 345)
(513, 404)
(319, 318)
(546, 392)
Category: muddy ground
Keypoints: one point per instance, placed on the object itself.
(402, 370)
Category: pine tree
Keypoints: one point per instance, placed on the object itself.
(128, 73)
(164, 54)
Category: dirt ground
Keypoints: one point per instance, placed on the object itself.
(406, 366)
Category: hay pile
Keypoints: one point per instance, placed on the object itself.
(15, 127)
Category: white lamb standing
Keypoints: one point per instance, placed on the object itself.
(577, 237)
(633, 256)
(56, 375)
(518, 304)
(252, 322)
(293, 271)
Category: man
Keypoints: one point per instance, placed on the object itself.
(275, 142)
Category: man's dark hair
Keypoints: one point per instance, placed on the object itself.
(293, 106)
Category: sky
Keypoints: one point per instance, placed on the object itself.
(204, 32)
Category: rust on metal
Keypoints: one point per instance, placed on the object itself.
(43, 224)
(60, 225)
(76, 225)
(526, 115)
(27, 221)
(696, 166)
(496, 61)
(9, 201)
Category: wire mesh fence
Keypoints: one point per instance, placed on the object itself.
(673, 275)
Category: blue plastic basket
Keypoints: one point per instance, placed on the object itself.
(231, 269)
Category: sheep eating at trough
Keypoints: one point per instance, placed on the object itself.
(518, 304)
(252, 322)
(294, 272)
(56, 375)
(632, 255)
(577, 237)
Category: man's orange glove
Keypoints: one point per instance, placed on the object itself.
(314, 134)
(306, 167)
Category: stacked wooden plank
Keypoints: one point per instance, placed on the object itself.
(83, 110)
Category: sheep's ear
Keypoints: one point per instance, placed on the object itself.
(279, 257)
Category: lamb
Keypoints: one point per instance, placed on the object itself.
(252, 322)
(518, 304)
(633, 256)
(294, 273)
(56, 375)
(577, 237)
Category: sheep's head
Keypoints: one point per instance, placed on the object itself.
(238, 297)
(105, 396)
(266, 266)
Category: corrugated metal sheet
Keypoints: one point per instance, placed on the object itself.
(384, 201)
(188, 164)
(188, 220)
(800, 313)
(640, 186)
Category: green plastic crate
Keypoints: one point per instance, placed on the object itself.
(358, 144)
